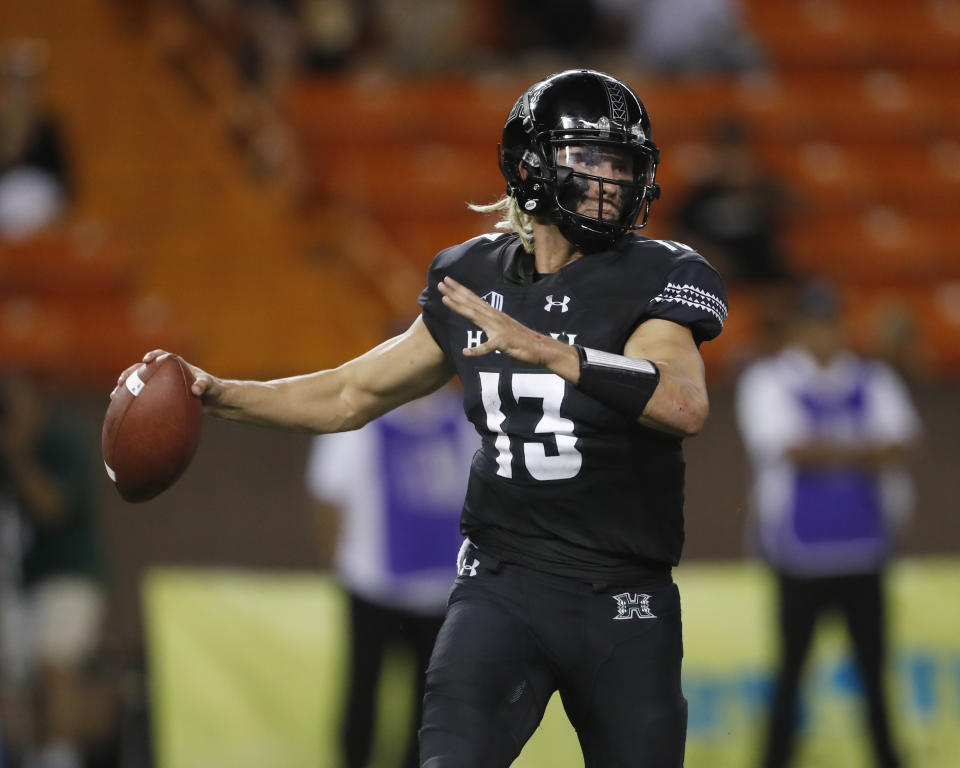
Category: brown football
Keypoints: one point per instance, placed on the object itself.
(151, 429)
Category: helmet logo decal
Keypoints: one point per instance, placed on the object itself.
(516, 109)
(618, 102)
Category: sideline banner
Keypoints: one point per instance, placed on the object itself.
(730, 644)
(242, 668)
(247, 670)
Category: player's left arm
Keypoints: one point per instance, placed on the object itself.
(679, 403)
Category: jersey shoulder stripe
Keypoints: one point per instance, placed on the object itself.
(694, 296)
(690, 291)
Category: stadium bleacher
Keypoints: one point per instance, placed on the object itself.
(856, 114)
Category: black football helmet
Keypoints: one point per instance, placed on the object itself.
(567, 133)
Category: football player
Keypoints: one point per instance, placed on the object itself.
(577, 344)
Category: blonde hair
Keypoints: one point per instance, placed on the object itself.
(513, 219)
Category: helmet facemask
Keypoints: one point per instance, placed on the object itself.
(593, 191)
(598, 191)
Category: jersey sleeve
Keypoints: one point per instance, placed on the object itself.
(692, 295)
(460, 262)
(431, 305)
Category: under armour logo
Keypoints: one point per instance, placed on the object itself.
(494, 299)
(469, 569)
(633, 606)
(562, 304)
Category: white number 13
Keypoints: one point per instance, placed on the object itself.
(549, 388)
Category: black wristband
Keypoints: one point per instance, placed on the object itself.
(622, 383)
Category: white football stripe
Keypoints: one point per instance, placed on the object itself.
(610, 360)
(110, 473)
(134, 383)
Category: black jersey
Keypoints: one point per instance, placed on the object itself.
(563, 483)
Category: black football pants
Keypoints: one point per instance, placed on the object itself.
(859, 598)
(513, 636)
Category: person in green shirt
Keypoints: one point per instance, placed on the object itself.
(46, 476)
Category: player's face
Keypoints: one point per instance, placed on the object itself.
(603, 178)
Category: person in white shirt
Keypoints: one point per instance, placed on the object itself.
(396, 487)
(828, 434)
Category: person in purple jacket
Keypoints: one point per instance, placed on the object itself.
(394, 489)
(828, 434)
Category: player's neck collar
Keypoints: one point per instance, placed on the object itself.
(518, 264)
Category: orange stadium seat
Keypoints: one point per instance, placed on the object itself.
(844, 175)
(742, 339)
(80, 260)
(810, 104)
(421, 238)
(357, 110)
(81, 338)
(879, 245)
(829, 33)
(798, 104)
(793, 31)
(687, 110)
(934, 310)
(925, 33)
(424, 178)
(872, 102)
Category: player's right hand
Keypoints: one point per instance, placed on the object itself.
(205, 386)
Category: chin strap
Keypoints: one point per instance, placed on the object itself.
(622, 383)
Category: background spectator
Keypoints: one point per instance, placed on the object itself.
(686, 37)
(332, 33)
(396, 486)
(735, 214)
(565, 27)
(53, 626)
(828, 434)
(34, 171)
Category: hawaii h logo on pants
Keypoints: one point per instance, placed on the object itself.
(633, 606)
